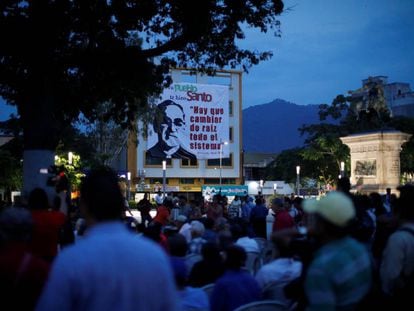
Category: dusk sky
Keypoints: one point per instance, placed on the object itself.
(326, 48)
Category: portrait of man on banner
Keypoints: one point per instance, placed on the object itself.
(170, 127)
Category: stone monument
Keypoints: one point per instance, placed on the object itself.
(375, 159)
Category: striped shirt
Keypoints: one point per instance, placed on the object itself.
(339, 276)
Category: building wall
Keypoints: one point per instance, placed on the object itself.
(183, 178)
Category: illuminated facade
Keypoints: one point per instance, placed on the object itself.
(189, 175)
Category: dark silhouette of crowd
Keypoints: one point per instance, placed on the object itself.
(343, 251)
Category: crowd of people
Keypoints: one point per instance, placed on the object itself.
(340, 252)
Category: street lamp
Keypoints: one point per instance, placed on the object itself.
(164, 169)
(342, 169)
(221, 158)
(297, 180)
(70, 157)
(129, 185)
(261, 186)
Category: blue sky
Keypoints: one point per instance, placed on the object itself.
(326, 48)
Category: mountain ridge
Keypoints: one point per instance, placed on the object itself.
(273, 127)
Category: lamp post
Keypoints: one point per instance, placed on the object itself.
(129, 185)
(342, 169)
(70, 157)
(164, 179)
(261, 186)
(297, 180)
(221, 159)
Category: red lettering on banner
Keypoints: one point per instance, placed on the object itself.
(203, 97)
(205, 146)
(200, 136)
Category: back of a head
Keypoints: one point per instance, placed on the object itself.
(259, 201)
(197, 228)
(344, 185)
(38, 199)
(15, 224)
(101, 194)
(235, 257)
(177, 245)
(405, 201)
(211, 251)
(208, 223)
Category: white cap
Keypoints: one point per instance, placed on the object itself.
(336, 208)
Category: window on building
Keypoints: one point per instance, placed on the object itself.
(230, 108)
(157, 180)
(231, 133)
(149, 160)
(216, 181)
(228, 162)
(189, 162)
(186, 181)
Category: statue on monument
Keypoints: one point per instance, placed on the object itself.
(370, 105)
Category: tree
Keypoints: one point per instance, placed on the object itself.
(62, 58)
(107, 138)
(11, 166)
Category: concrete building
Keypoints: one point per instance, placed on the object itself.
(188, 176)
(255, 164)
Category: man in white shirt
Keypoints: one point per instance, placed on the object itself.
(111, 268)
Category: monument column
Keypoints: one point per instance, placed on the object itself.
(375, 159)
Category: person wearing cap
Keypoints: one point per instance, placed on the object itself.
(340, 274)
(197, 241)
(183, 227)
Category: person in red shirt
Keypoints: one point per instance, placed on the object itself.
(163, 213)
(283, 220)
(22, 274)
(47, 225)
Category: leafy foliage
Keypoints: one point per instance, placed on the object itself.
(62, 58)
(73, 168)
(11, 168)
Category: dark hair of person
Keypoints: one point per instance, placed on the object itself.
(38, 199)
(177, 245)
(211, 251)
(298, 201)
(344, 185)
(16, 224)
(377, 204)
(235, 257)
(405, 201)
(168, 203)
(333, 230)
(102, 195)
(208, 223)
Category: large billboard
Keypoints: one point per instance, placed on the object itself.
(191, 121)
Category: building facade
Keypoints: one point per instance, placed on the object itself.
(188, 174)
